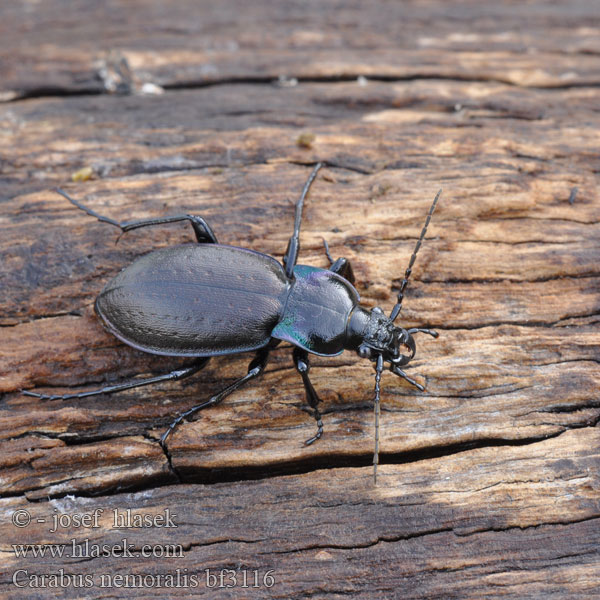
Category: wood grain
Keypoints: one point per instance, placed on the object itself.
(460, 525)
(489, 486)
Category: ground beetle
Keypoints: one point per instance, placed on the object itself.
(205, 299)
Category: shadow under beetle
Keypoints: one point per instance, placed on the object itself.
(205, 299)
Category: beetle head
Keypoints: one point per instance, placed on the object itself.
(395, 344)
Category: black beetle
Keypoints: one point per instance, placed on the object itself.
(204, 299)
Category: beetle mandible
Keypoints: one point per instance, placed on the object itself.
(229, 300)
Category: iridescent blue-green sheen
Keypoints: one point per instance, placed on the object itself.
(316, 314)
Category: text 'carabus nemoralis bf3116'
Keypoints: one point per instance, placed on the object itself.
(206, 299)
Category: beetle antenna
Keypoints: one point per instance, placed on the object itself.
(377, 407)
(291, 254)
(396, 310)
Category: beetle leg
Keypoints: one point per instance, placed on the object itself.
(109, 389)
(341, 266)
(257, 366)
(328, 254)
(402, 374)
(203, 231)
(303, 366)
(291, 253)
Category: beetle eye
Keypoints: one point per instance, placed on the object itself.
(364, 352)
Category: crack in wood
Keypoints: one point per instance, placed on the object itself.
(12, 96)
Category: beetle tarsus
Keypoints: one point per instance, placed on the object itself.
(319, 433)
(257, 366)
(184, 415)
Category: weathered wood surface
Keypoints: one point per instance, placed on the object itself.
(523, 523)
(491, 486)
(183, 43)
